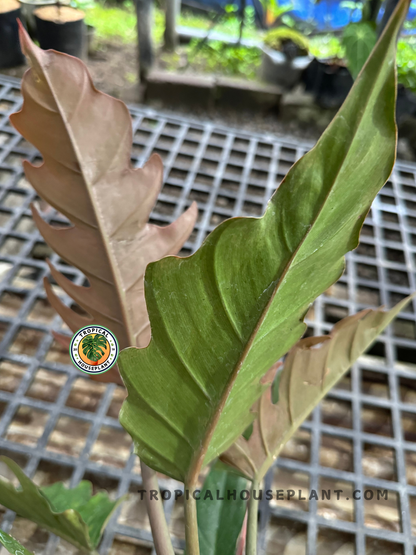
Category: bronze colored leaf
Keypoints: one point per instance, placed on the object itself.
(311, 369)
(85, 140)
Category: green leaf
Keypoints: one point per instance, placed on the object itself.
(311, 369)
(61, 498)
(72, 514)
(358, 39)
(220, 516)
(96, 514)
(94, 510)
(12, 545)
(223, 316)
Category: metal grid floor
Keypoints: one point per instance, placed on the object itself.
(59, 425)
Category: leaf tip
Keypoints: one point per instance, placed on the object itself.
(34, 210)
(25, 41)
(154, 163)
(46, 283)
(193, 209)
(62, 340)
(270, 375)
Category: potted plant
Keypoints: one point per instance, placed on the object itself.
(204, 381)
(29, 6)
(285, 56)
(10, 51)
(61, 28)
(327, 77)
(329, 80)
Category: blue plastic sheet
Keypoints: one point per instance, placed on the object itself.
(322, 15)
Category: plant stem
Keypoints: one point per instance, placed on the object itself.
(191, 522)
(253, 510)
(158, 524)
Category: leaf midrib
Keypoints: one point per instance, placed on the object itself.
(97, 212)
(197, 466)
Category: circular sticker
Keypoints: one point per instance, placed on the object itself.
(94, 349)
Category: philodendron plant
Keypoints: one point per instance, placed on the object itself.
(74, 514)
(204, 357)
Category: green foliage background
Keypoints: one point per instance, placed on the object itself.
(119, 23)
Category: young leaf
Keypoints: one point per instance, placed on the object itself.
(61, 498)
(73, 514)
(222, 317)
(94, 510)
(85, 139)
(358, 39)
(221, 511)
(12, 545)
(311, 369)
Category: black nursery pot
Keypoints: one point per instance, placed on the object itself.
(10, 52)
(328, 81)
(406, 104)
(64, 36)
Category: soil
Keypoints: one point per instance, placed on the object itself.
(113, 68)
(9, 6)
(61, 14)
